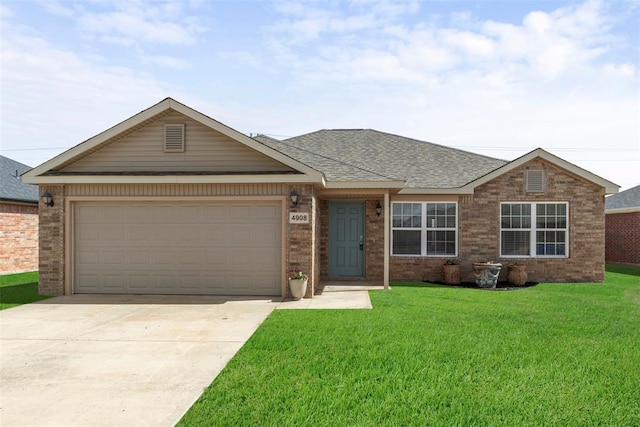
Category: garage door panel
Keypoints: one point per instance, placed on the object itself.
(178, 247)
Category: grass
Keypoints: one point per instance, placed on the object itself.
(554, 354)
(18, 289)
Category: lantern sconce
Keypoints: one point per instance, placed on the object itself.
(47, 199)
(295, 198)
(378, 208)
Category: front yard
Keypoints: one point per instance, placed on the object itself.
(554, 354)
(18, 289)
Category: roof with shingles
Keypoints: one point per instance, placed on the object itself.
(11, 185)
(370, 155)
(625, 199)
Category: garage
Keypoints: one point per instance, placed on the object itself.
(177, 247)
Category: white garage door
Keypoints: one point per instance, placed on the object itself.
(216, 248)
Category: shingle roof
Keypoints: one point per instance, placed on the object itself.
(625, 199)
(370, 155)
(11, 185)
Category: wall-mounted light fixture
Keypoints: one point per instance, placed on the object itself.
(378, 208)
(295, 197)
(47, 199)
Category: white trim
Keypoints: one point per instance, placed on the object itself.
(166, 104)
(364, 184)
(387, 240)
(533, 229)
(424, 229)
(417, 191)
(173, 179)
(622, 210)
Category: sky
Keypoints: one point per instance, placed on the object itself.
(499, 78)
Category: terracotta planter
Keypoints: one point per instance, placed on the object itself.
(517, 275)
(451, 274)
(298, 288)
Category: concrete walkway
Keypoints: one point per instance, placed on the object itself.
(101, 360)
(336, 295)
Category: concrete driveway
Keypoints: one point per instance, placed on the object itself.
(117, 360)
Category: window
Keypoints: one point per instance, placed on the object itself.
(533, 229)
(424, 229)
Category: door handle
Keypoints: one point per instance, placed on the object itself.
(361, 244)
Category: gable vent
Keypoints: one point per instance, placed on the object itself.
(534, 180)
(174, 138)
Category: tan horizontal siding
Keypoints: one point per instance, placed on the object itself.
(205, 150)
(175, 190)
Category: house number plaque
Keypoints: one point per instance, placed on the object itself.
(298, 218)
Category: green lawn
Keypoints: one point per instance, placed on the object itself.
(18, 289)
(554, 354)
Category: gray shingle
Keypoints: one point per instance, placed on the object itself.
(370, 155)
(11, 185)
(625, 199)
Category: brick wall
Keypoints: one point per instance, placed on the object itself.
(479, 230)
(51, 231)
(623, 237)
(302, 251)
(19, 238)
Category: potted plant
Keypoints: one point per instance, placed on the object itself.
(298, 284)
(517, 274)
(451, 272)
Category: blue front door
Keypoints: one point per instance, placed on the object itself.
(346, 239)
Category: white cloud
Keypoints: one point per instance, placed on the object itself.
(47, 91)
(136, 27)
(166, 61)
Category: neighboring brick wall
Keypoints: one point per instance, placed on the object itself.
(51, 231)
(479, 229)
(623, 237)
(18, 237)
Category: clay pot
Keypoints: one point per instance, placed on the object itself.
(451, 273)
(517, 275)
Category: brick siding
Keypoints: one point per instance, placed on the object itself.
(19, 237)
(623, 237)
(479, 230)
(51, 229)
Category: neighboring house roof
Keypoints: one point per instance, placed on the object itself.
(625, 201)
(364, 154)
(11, 186)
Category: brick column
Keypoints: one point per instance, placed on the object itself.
(302, 241)
(51, 250)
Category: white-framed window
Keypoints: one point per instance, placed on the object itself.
(424, 228)
(538, 229)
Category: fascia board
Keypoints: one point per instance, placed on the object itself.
(168, 103)
(364, 184)
(609, 186)
(622, 210)
(175, 179)
(459, 190)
